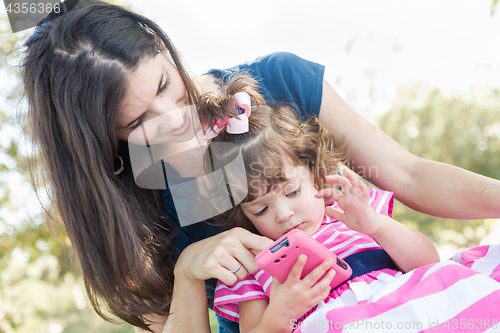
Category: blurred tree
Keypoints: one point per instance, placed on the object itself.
(494, 6)
(462, 130)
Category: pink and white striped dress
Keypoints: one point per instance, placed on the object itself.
(434, 298)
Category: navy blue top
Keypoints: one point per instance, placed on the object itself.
(284, 78)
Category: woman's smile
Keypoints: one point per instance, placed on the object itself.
(186, 123)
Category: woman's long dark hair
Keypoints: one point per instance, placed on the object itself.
(74, 75)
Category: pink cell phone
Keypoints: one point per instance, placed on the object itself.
(277, 260)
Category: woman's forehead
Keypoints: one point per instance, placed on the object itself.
(142, 87)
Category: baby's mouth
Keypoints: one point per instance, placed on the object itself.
(298, 226)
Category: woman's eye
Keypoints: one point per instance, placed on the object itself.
(262, 212)
(294, 193)
(139, 123)
(165, 85)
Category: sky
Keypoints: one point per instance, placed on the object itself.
(367, 46)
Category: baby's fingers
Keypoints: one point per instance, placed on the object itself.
(359, 188)
(314, 276)
(334, 213)
(329, 193)
(321, 289)
(362, 190)
(296, 271)
(353, 180)
(342, 181)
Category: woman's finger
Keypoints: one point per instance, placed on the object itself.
(234, 267)
(230, 252)
(223, 274)
(225, 267)
(244, 245)
(241, 273)
(217, 255)
(254, 243)
(239, 246)
(227, 275)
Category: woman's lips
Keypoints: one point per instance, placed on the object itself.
(184, 127)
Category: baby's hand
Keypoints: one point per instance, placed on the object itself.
(294, 297)
(354, 200)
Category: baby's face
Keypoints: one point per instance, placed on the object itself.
(287, 206)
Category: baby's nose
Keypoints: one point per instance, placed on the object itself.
(284, 214)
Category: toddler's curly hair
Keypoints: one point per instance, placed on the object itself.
(276, 138)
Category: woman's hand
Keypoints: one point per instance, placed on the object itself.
(216, 256)
(354, 200)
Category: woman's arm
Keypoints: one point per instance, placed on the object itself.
(188, 311)
(211, 257)
(189, 308)
(430, 187)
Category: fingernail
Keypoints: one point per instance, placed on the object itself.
(328, 263)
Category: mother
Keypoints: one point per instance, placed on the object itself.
(97, 72)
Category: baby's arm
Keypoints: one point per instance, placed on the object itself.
(407, 247)
(289, 300)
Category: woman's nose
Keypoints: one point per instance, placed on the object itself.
(163, 106)
(166, 116)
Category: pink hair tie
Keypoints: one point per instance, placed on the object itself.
(234, 125)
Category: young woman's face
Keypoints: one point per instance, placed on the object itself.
(154, 89)
(289, 205)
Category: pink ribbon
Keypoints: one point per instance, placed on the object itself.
(234, 125)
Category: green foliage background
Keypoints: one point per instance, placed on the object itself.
(41, 289)
(462, 130)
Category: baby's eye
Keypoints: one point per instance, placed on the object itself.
(294, 193)
(262, 212)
